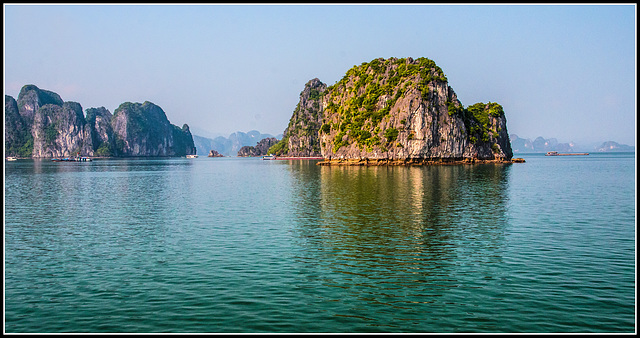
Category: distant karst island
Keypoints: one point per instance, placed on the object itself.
(41, 125)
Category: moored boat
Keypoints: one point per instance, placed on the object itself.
(72, 159)
(11, 158)
(269, 157)
(192, 156)
(300, 158)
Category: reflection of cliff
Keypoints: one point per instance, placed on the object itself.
(385, 204)
(419, 230)
(403, 201)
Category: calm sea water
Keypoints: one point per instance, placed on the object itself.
(244, 245)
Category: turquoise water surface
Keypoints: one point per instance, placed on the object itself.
(241, 245)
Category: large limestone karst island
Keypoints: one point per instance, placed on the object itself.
(41, 125)
(394, 111)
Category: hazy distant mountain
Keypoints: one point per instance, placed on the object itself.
(518, 145)
(542, 145)
(611, 146)
(228, 146)
(204, 133)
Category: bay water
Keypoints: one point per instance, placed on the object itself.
(242, 245)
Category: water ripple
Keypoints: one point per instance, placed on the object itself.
(242, 246)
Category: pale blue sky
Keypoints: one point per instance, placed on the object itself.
(562, 71)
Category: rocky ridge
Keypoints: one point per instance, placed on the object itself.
(41, 125)
(260, 149)
(301, 138)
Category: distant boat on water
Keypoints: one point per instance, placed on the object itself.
(77, 158)
(11, 158)
(192, 156)
(72, 159)
(274, 157)
(555, 153)
(300, 158)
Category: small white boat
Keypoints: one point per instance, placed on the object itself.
(11, 158)
(192, 156)
(269, 157)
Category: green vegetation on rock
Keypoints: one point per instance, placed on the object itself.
(476, 118)
(367, 93)
(50, 133)
(280, 148)
(104, 150)
(24, 149)
(391, 134)
(301, 137)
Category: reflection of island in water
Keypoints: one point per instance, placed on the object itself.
(135, 218)
(401, 236)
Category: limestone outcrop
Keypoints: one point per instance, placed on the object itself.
(41, 125)
(60, 130)
(213, 153)
(301, 138)
(142, 129)
(397, 111)
(260, 149)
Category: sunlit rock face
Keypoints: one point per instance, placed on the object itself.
(400, 110)
(61, 131)
(300, 138)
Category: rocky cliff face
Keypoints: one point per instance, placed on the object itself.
(17, 134)
(260, 149)
(102, 136)
(403, 110)
(31, 98)
(301, 137)
(144, 130)
(40, 124)
(60, 130)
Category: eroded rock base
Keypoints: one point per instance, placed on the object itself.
(413, 162)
